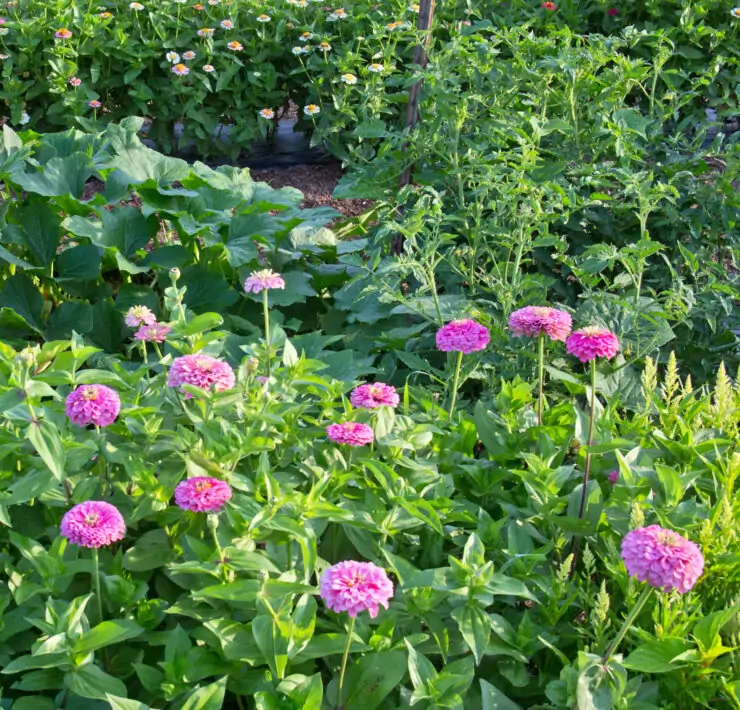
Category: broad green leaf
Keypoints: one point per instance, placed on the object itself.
(60, 176)
(92, 682)
(209, 697)
(69, 317)
(45, 660)
(127, 230)
(372, 678)
(244, 590)
(421, 669)
(272, 641)
(106, 634)
(706, 630)
(117, 703)
(80, 262)
(657, 656)
(46, 440)
(494, 699)
(475, 628)
(20, 295)
(152, 550)
(34, 702)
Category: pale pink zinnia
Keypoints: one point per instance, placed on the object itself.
(201, 371)
(534, 321)
(592, 342)
(157, 333)
(464, 336)
(139, 315)
(202, 494)
(262, 281)
(93, 523)
(662, 558)
(355, 587)
(374, 396)
(352, 433)
(93, 404)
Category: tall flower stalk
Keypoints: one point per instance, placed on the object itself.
(540, 321)
(463, 337)
(263, 281)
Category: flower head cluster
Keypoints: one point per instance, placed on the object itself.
(201, 371)
(63, 33)
(93, 404)
(263, 280)
(209, 68)
(306, 36)
(355, 587)
(592, 342)
(172, 57)
(227, 25)
(324, 46)
(613, 477)
(311, 110)
(205, 32)
(263, 18)
(139, 315)
(93, 523)
(612, 12)
(180, 70)
(351, 433)
(105, 15)
(188, 56)
(549, 6)
(136, 6)
(75, 81)
(538, 320)
(234, 46)
(202, 494)
(376, 68)
(465, 336)
(350, 79)
(95, 104)
(268, 114)
(156, 333)
(735, 12)
(374, 396)
(662, 558)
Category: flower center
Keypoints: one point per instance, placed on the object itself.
(201, 486)
(91, 519)
(204, 364)
(666, 537)
(90, 393)
(376, 391)
(592, 330)
(541, 311)
(355, 580)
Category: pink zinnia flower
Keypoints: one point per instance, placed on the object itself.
(139, 315)
(592, 342)
(613, 477)
(202, 494)
(463, 336)
(95, 104)
(93, 523)
(63, 33)
(93, 404)
(356, 586)
(263, 280)
(662, 558)
(157, 332)
(612, 12)
(533, 321)
(75, 81)
(352, 433)
(374, 396)
(201, 371)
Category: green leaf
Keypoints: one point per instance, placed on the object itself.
(501, 584)
(209, 697)
(372, 678)
(199, 324)
(421, 669)
(475, 628)
(45, 660)
(117, 703)
(244, 590)
(20, 295)
(306, 695)
(34, 702)
(46, 440)
(60, 176)
(40, 230)
(126, 229)
(706, 630)
(272, 641)
(79, 263)
(152, 550)
(70, 316)
(92, 682)
(657, 656)
(494, 699)
(106, 634)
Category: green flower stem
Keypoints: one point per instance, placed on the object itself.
(266, 311)
(541, 370)
(345, 656)
(221, 564)
(455, 383)
(590, 439)
(627, 623)
(96, 581)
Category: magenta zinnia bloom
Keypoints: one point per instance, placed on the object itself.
(374, 396)
(201, 371)
(139, 315)
(93, 404)
(263, 281)
(592, 342)
(613, 477)
(356, 586)
(662, 558)
(464, 336)
(157, 333)
(612, 12)
(202, 494)
(93, 523)
(352, 433)
(533, 321)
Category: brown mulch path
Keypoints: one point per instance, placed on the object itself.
(317, 183)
